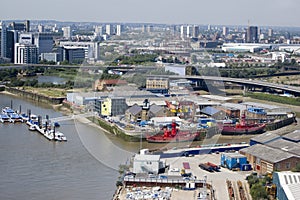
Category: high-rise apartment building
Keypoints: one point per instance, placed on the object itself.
(183, 31)
(109, 29)
(195, 31)
(67, 32)
(225, 30)
(26, 54)
(99, 30)
(119, 29)
(270, 32)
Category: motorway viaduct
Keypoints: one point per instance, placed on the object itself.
(245, 82)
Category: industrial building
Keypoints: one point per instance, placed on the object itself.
(147, 163)
(265, 159)
(287, 185)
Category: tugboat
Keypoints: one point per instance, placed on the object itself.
(173, 135)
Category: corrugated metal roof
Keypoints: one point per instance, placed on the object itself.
(266, 153)
(285, 145)
(265, 137)
(290, 182)
(294, 136)
(210, 110)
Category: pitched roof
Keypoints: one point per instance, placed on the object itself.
(268, 154)
(265, 137)
(293, 136)
(135, 109)
(155, 108)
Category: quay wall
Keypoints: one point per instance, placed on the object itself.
(112, 128)
(280, 124)
(163, 183)
(35, 96)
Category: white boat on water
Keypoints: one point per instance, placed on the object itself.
(8, 111)
(32, 128)
(25, 117)
(32, 120)
(15, 118)
(59, 136)
(5, 118)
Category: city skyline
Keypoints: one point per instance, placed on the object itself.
(231, 12)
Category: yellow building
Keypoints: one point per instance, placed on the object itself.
(113, 106)
(106, 107)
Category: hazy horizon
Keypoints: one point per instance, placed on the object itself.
(215, 12)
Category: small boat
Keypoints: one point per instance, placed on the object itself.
(32, 128)
(4, 118)
(56, 124)
(59, 136)
(15, 118)
(25, 117)
(8, 111)
(33, 120)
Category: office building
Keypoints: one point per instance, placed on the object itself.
(26, 54)
(21, 26)
(92, 49)
(3, 39)
(252, 34)
(7, 40)
(74, 54)
(50, 57)
(44, 42)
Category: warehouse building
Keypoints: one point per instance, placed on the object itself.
(265, 159)
(287, 184)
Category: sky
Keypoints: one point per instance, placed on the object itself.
(215, 12)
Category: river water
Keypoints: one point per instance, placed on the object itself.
(85, 167)
(32, 167)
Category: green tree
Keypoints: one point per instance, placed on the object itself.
(258, 192)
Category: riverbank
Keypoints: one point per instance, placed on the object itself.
(35, 96)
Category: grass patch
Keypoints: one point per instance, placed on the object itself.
(275, 98)
(49, 92)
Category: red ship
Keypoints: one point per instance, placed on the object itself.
(173, 135)
(241, 128)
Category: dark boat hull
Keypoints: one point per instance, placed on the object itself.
(246, 130)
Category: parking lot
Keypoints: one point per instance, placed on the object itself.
(217, 179)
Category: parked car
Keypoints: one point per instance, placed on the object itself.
(174, 170)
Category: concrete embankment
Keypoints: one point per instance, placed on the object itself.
(35, 96)
(114, 129)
